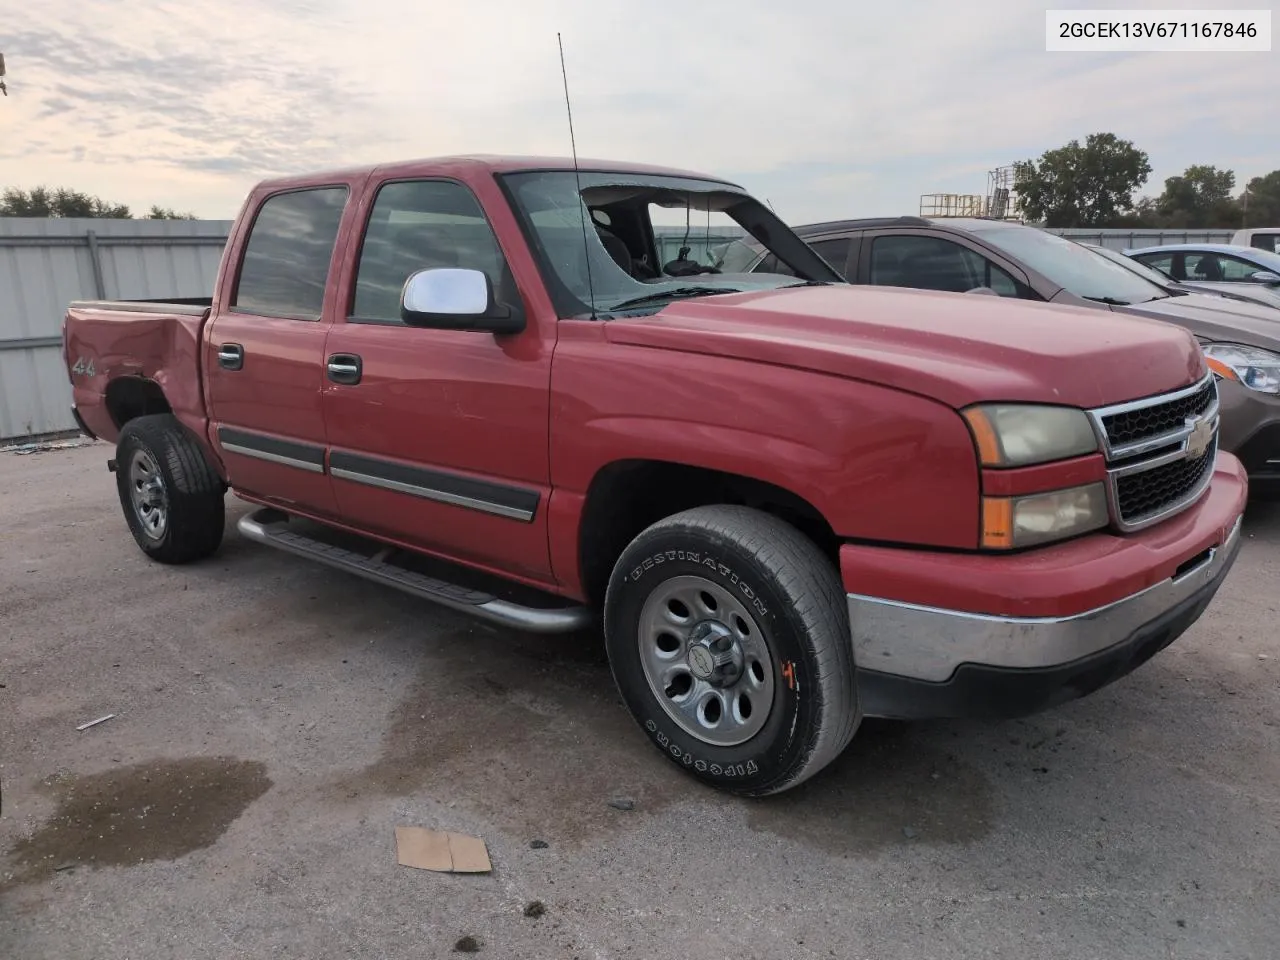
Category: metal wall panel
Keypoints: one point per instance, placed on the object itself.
(1123, 239)
(45, 264)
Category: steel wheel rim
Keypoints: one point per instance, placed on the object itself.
(150, 498)
(690, 612)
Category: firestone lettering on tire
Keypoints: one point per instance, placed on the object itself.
(707, 561)
(702, 766)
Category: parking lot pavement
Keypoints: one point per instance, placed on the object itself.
(275, 721)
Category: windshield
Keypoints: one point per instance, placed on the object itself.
(599, 256)
(1072, 266)
(1141, 269)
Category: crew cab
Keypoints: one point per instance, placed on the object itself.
(788, 501)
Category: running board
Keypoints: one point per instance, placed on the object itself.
(270, 526)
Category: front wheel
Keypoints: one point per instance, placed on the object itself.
(728, 636)
(173, 500)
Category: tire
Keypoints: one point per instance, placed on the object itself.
(171, 496)
(793, 706)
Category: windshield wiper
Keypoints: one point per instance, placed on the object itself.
(677, 294)
(1111, 301)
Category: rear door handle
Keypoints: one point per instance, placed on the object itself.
(345, 368)
(231, 356)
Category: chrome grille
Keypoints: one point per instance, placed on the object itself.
(1160, 453)
(1143, 423)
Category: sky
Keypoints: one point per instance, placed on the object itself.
(825, 109)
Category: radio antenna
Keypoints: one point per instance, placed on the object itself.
(577, 176)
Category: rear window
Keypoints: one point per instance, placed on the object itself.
(286, 259)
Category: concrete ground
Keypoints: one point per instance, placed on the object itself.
(275, 721)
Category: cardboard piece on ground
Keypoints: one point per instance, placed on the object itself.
(440, 851)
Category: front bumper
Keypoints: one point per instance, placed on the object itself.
(919, 661)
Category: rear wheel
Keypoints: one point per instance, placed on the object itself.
(728, 637)
(171, 495)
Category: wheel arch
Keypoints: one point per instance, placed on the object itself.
(129, 397)
(626, 496)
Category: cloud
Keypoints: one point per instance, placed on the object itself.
(828, 109)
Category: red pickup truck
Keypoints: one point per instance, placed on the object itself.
(793, 502)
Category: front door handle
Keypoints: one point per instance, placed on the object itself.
(231, 356)
(345, 368)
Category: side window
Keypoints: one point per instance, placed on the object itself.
(771, 264)
(1238, 270)
(834, 250)
(418, 225)
(1204, 266)
(286, 259)
(931, 263)
(1159, 261)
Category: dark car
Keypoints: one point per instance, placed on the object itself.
(961, 255)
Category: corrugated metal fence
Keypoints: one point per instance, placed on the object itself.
(45, 264)
(1122, 239)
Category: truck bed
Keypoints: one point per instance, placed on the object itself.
(126, 357)
(181, 306)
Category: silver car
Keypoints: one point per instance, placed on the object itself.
(1244, 271)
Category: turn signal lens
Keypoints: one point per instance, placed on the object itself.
(1011, 522)
(1220, 368)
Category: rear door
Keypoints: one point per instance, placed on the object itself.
(264, 351)
(438, 438)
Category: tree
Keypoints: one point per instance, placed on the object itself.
(62, 202)
(1082, 186)
(58, 202)
(1261, 201)
(1199, 199)
(165, 213)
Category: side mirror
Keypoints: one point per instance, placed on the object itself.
(1265, 276)
(453, 298)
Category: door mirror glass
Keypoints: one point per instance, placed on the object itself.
(1265, 276)
(455, 298)
(446, 292)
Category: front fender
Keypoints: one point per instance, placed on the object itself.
(879, 464)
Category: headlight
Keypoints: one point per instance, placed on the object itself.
(1016, 435)
(1256, 368)
(1012, 522)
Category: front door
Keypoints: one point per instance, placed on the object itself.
(438, 438)
(264, 353)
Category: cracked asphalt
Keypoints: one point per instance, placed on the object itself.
(275, 721)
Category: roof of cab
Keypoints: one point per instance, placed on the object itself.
(491, 162)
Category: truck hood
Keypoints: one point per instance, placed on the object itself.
(1216, 318)
(955, 348)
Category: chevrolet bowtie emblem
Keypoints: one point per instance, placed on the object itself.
(1200, 437)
